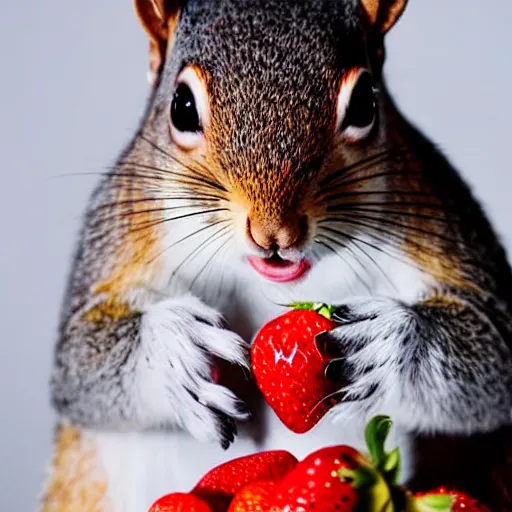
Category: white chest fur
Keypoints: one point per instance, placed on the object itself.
(142, 467)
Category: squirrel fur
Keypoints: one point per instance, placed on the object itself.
(161, 292)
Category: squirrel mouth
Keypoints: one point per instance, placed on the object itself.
(278, 270)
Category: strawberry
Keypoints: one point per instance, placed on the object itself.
(220, 484)
(316, 484)
(443, 500)
(179, 502)
(290, 370)
(339, 478)
(254, 497)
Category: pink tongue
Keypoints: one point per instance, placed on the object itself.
(282, 272)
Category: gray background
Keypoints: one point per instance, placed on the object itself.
(72, 89)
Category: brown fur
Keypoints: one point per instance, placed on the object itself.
(141, 220)
(441, 300)
(159, 19)
(76, 483)
(110, 310)
(383, 14)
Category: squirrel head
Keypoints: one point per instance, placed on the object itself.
(268, 98)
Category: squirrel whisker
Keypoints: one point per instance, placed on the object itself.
(342, 255)
(149, 225)
(162, 173)
(190, 235)
(388, 192)
(198, 250)
(210, 261)
(131, 213)
(430, 206)
(351, 169)
(184, 216)
(388, 237)
(380, 212)
(356, 244)
(129, 202)
(176, 159)
(344, 181)
(376, 223)
(358, 241)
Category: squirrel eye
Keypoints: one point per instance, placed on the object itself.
(357, 107)
(188, 112)
(184, 115)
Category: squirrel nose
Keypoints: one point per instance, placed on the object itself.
(281, 236)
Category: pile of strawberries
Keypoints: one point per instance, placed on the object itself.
(336, 478)
(290, 371)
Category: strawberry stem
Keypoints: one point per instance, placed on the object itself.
(391, 466)
(374, 492)
(376, 434)
(318, 307)
(360, 478)
(430, 503)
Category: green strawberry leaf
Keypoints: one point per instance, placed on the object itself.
(376, 434)
(309, 306)
(319, 307)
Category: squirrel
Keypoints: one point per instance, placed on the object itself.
(272, 166)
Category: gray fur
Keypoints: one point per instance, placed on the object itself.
(270, 62)
(444, 369)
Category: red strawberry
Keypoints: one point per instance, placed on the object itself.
(220, 484)
(254, 497)
(290, 370)
(315, 484)
(339, 478)
(335, 478)
(444, 500)
(179, 502)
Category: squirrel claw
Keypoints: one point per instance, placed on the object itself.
(228, 430)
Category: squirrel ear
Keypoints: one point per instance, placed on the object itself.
(383, 14)
(158, 18)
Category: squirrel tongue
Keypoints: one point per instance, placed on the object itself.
(277, 270)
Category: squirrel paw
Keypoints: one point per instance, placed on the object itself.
(366, 349)
(175, 371)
